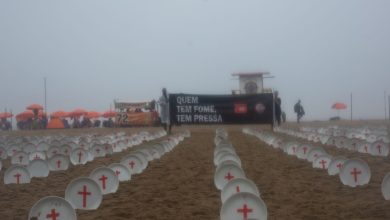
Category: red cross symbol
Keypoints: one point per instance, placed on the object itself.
(304, 150)
(229, 176)
(53, 215)
(17, 176)
(355, 173)
(84, 193)
(238, 189)
(339, 165)
(58, 163)
(103, 179)
(245, 210)
(20, 158)
(323, 162)
(80, 155)
(117, 172)
(132, 164)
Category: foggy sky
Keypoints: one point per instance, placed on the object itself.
(95, 51)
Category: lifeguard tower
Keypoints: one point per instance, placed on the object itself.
(251, 83)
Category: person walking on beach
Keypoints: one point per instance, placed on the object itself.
(278, 108)
(164, 110)
(298, 109)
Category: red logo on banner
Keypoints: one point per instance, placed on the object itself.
(240, 108)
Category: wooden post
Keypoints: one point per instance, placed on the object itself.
(351, 107)
(385, 102)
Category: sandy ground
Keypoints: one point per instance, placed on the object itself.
(180, 185)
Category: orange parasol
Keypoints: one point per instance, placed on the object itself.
(24, 115)
(77, 113)
(5, 115)
(59, 114)
(93, 114)
(34, 107)
(109, 114)
(339, 106)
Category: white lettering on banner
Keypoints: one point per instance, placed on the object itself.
(184, 109)
(184, 118)
(208, 118)
(187, 100)
(204, 109)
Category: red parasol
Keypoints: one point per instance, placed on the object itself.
(59, 114)
(93, 114)
(339, 106)
(109, 114)
(34, 107)
(77, 113)
(24, 115)
(5, 115)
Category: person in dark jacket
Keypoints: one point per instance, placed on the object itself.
(298, 109)
(278, 108)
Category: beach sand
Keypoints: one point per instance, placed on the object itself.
(180, 185)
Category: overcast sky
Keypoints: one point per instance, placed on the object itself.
(94, 51)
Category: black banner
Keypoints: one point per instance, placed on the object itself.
(221, 109)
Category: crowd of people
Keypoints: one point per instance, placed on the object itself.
(32, 124)
(41, 123)
(5, 125)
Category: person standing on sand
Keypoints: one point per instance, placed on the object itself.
(164, 111)
(278, 108)
(298, 109)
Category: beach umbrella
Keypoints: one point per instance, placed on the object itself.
(29, 114)
(109, 114)
(34, 107)
(5, 115)
(59, 114)
(24, 115)
(93, 114)
(77, 113)
(339, 106)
